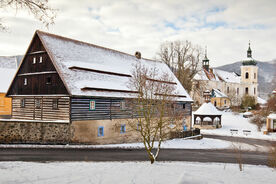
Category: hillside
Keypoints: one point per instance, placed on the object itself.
(266, 77)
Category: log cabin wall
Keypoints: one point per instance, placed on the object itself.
(106, 108)
(44, 110)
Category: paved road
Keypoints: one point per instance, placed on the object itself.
(250, 141)
(192, 155)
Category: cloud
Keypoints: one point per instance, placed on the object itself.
(224, 26)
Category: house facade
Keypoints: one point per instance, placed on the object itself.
(234, 86)
(8, 66)
(82, 87)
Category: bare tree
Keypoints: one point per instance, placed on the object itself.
(183, 58)
(234, 98)
(40, 9)
(152, 107)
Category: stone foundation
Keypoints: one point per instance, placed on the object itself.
(34, 132)
(77, 132)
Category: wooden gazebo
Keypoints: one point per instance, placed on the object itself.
(207, 116)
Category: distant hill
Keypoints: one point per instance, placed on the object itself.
(266, 77)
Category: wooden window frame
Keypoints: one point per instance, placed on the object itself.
(22, 103)
(123, 105)
(40, 59)
(123, 129)
(92, 105)
(38, 103)
(48, 82)
(55, 103)
(25, 81)
(100, 131)
(183, 106)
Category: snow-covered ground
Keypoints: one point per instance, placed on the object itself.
(205, 143)
(133, 172)
(236, 121)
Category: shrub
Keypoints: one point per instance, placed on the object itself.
(258, 120)
(248, 102)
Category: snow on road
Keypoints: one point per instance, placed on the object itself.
(236, 121)
(133, 172)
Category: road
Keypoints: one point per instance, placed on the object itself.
(191, 155)
(250, 141)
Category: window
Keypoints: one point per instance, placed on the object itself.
(49, 80)
(183, 106)
(238, 91)
(138, 126)
(254, 91)
(25, 81)
(255, 75)
(55, 103)
(92, 105)
(123, 105)
(22, 103)
(246, 75)
(40, 59)
(37, 103)
(215, 104)
(34, 60)
(246, 91)
(224, 101)
(100, 131)
(227, 89)
(123, 129)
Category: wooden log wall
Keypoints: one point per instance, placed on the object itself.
(46, 110)
(109, 109)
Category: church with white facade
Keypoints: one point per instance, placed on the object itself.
(231, 85)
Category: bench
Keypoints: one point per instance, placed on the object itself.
(233, 131)
(246, 132)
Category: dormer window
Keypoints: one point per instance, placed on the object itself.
(25, 81)
(34, 60)
(40, 59)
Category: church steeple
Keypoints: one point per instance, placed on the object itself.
(205, 61)
(249, 51)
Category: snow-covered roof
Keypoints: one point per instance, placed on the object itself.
(261, 101)
(8, 62)
(87, 66)
(272, 116)
(207, 109)
(217, 75)
(218, 93)
(274, 91)
(6, 76)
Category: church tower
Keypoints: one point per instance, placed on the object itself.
(205, 61)
(249, 75)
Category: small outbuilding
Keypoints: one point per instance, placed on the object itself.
(207, 116)
(219, 99)
(270, 123)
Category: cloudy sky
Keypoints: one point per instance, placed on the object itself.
(225, 27)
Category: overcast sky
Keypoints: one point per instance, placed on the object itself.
(225, 27)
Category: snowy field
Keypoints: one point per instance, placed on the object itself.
(232, 121)
(133, 172)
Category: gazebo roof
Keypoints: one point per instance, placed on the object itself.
(207, 109)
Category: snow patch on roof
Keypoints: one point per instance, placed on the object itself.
(68, 53)
(207, 109)
(272, 116)
(227, 76)
(261, 101)
(219, 94)
(6, 76)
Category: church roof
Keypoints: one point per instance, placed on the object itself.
(218, 93)
(207, 109)
(217, 75)
(86, 66)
